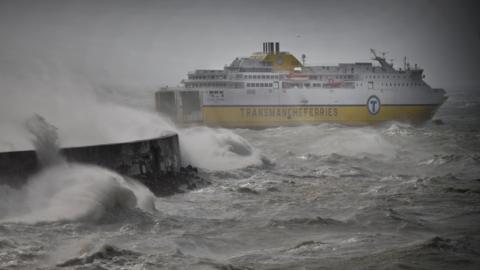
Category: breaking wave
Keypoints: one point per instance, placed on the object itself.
(75, 192)
(217, 149)
(68, 191)
(354, 142)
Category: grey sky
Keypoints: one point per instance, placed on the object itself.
(151, 43)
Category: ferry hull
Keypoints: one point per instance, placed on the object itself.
(269, 116)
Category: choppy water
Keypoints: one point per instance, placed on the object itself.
(312, 197)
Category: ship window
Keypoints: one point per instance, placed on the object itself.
(370, 85)
(270, 84)
(263, 76)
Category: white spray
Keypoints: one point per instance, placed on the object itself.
(69, 191)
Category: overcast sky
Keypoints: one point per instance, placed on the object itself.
(152, 43)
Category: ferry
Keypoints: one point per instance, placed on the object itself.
(273, 88)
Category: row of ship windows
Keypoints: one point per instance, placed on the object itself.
(311, 77)
(322, 85)
(209, 77)
(348, 77)
(252, 76)
(404, 84)
(259, 84)
(329, 85)
(215, 84)
(385, 77)
(306, 85)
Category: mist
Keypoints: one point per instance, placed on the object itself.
(145, 44)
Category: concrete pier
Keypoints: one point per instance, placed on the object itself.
(155, 162)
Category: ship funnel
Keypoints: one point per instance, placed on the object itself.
(271, 47)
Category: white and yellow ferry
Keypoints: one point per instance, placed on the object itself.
(273, 88)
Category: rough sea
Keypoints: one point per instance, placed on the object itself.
(393, 196)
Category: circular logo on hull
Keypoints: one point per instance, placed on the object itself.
(373, 105)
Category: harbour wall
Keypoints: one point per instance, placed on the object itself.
(155, 162)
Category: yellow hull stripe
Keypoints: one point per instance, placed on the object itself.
(263, 116)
